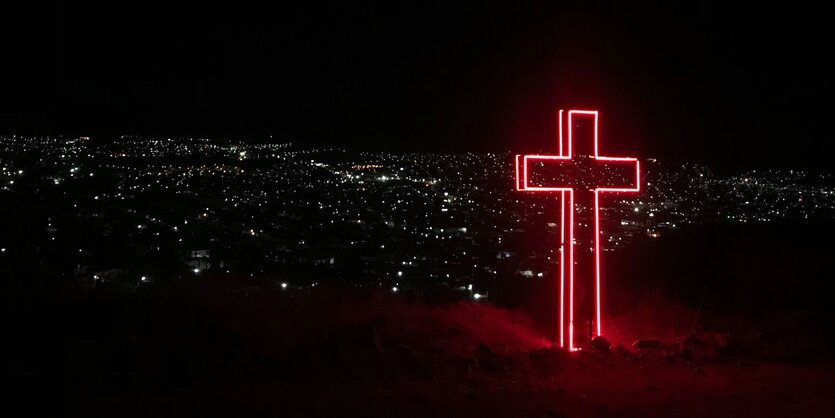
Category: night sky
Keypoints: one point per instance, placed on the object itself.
(735, 87)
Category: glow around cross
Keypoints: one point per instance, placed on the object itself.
(567, 207)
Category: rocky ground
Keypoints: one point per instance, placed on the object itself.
(249, 352)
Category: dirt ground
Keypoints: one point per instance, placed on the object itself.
(380, 357)
(605, 385)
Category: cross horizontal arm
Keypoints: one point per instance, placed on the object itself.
(607, 174)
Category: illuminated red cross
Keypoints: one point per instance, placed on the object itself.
(588, 192)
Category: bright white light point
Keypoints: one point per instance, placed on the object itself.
(636, 209)
(539, 274)
(399, 273)
(470, 287)
(283, 285)
(394, 289)
(196, 271)
(2, 250)
(477, 296)
(144, 278)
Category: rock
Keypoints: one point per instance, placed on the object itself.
(485, 352)
(623, 351)
(648, 343)
(487, 359)
(686, 349)
(600, 343)
(693, 339)
(548, 359)
(703, 347)
(723, 340)
(414, 362)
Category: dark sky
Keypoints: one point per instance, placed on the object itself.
(735, 87)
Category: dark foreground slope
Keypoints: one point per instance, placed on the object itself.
(234, 350)
(244, 348)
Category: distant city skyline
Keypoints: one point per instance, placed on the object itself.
(142, 208)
